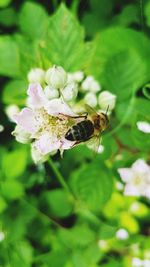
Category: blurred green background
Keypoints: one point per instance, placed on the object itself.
(42, 225)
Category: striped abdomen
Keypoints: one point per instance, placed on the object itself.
(82, 131)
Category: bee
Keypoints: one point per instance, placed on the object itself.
(90, 127)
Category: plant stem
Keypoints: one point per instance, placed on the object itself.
(58, 175)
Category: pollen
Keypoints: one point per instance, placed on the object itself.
(57, 126)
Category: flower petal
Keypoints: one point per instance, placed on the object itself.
(26, 120)
(66, 144)
(58, 106)
(140, 166)
(125, 174)
(132, 190)
(36, 98)
(47, 143)
(37, 156)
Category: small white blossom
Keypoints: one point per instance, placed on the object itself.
(143, 126)
(136, 262)
(51, 92)
(90, 99)
(36, 75)
(122, 234)
(56, 77)
(103, 245)
(1, 128)
(100, 149)
(70, 91)
(11, 110)
(136, 178)
(106, 99)
(2, 236)
(90, 84)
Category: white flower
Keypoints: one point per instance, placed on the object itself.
(11, 110)
(91, 99)
(136, 262)
(122, 234)
(70, 91)
(51, 92)
(45, 123)
(2, 236)
(56, 77)
(143, 126)
(137, 179)
(106, 99)
(1, 128)
(90, 84)
(36, 75)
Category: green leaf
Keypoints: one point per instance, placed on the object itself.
(147, 13)
(4, 3)
(78, 236)
(33, 20)
(9, 57)
(15, 92)
(14, 163)
(30, 56)
(64, 44)
(59, 203)
(124, 73)
(8, 17)
(112, 41)
(12, 190)
(3, 204)
(92, 184)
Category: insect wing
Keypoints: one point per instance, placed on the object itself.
(90, 110)
(94, 143)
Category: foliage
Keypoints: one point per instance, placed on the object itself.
(42, 224)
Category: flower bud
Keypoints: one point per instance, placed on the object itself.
(78, 76)
(143, 126)
(37, 156)
(70, 92)
(51, 93)
(21, 136)
(91, 99)
(122, 234)
(1, 128)
(36, 75)
(12, 110)
(90, 84)
(106, 99)
(56, 77)
(2, 236)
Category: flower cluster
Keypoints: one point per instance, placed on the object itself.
(57, 82)
(136, 179)
(48, 115)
